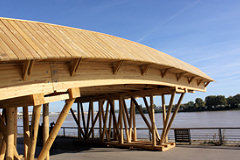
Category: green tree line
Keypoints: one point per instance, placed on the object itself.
(211, 103)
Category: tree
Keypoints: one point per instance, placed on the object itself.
(199, 103)
(221, 100)
(210, 101)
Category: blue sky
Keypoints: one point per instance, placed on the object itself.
(204, 33)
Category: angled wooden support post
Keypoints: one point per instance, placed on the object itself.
(110, 124)
(46, 125)
(105, 122)
(150, 116)
(27, 69)
(100, 107)
(76, 120)
(164, 113)
(92, 118)
(134, 121)
(142, 114)
(75, 65)
(154, 142)
(168, 116)
(124, 119)
(115, 129)
(3, 136)
(79, 121)
(121, 138)
(10, 111)
(83, 119)
(88, 118)
(73, 93)
(26, 132)
(172, 118)
(34, 132)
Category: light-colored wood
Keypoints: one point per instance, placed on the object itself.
(27, 69)
(167, 117)
(134, 121)
(115, 129)
(2, 136)
(92, 117)
(10, 111)
(56, 129)
(100, 104)
(46, 125)
(110, 124)
(121, 138)
(164, 114)
(83, 119)
(124, 119)
(94, 122)
(154, 142)
(172, 118)
(75, 66)
(105, 122)
(15, 126)
(26, 132)
(116, 66)
(88, 118)
(79, 121)
(34, 132)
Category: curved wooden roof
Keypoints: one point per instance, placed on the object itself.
(26, 40)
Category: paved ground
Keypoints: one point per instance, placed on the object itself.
(178, 153)
(68, 149)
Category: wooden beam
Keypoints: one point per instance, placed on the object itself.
(26, 132)
(206, 84)
(121, 138)
(34, 132)
(190, 79)
(124, 119)
(114, 119)
(83, 119)
(75, 65)
(154, 141)
(46, 125)
(79, 121)
(164, 71)
(167, 117)
(116, 66)
(172, 118)
(27, 69)
(94, 122)
(88, 119)
(3, 135)
(179, 75)
(56, 129)
(105, 121)
(199, 81)
(164, 113)
(92, 118)
(144, 68)
(142, 114)
(10, 111)
(134, 121)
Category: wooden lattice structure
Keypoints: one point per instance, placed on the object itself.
(42, 63)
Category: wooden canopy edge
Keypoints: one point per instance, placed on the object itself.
(39, 99)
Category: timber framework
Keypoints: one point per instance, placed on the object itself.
(42, 63)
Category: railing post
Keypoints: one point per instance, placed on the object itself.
(220, 136)
(149, 133)
(64, 132)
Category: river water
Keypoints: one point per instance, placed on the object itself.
(183, 120)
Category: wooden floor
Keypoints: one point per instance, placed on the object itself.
(143, 145)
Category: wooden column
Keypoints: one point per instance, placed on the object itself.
(154, 143)
(124, 120)
(172, 118)
(167, 117)
(56, 129)
(100, 103)
(15, 126)
(164, 114)
(3, 136)
(34, 132)
(46, 125)
(10, 113)
(121, 140)
(92, 117)
(26, 130)
(134, 121)
(79, 121)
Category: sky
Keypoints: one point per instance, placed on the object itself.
(204, 33)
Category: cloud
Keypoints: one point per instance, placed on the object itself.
(169, 19)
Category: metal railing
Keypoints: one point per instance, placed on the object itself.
(210, 135)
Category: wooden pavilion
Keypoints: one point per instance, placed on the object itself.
(42, 63)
